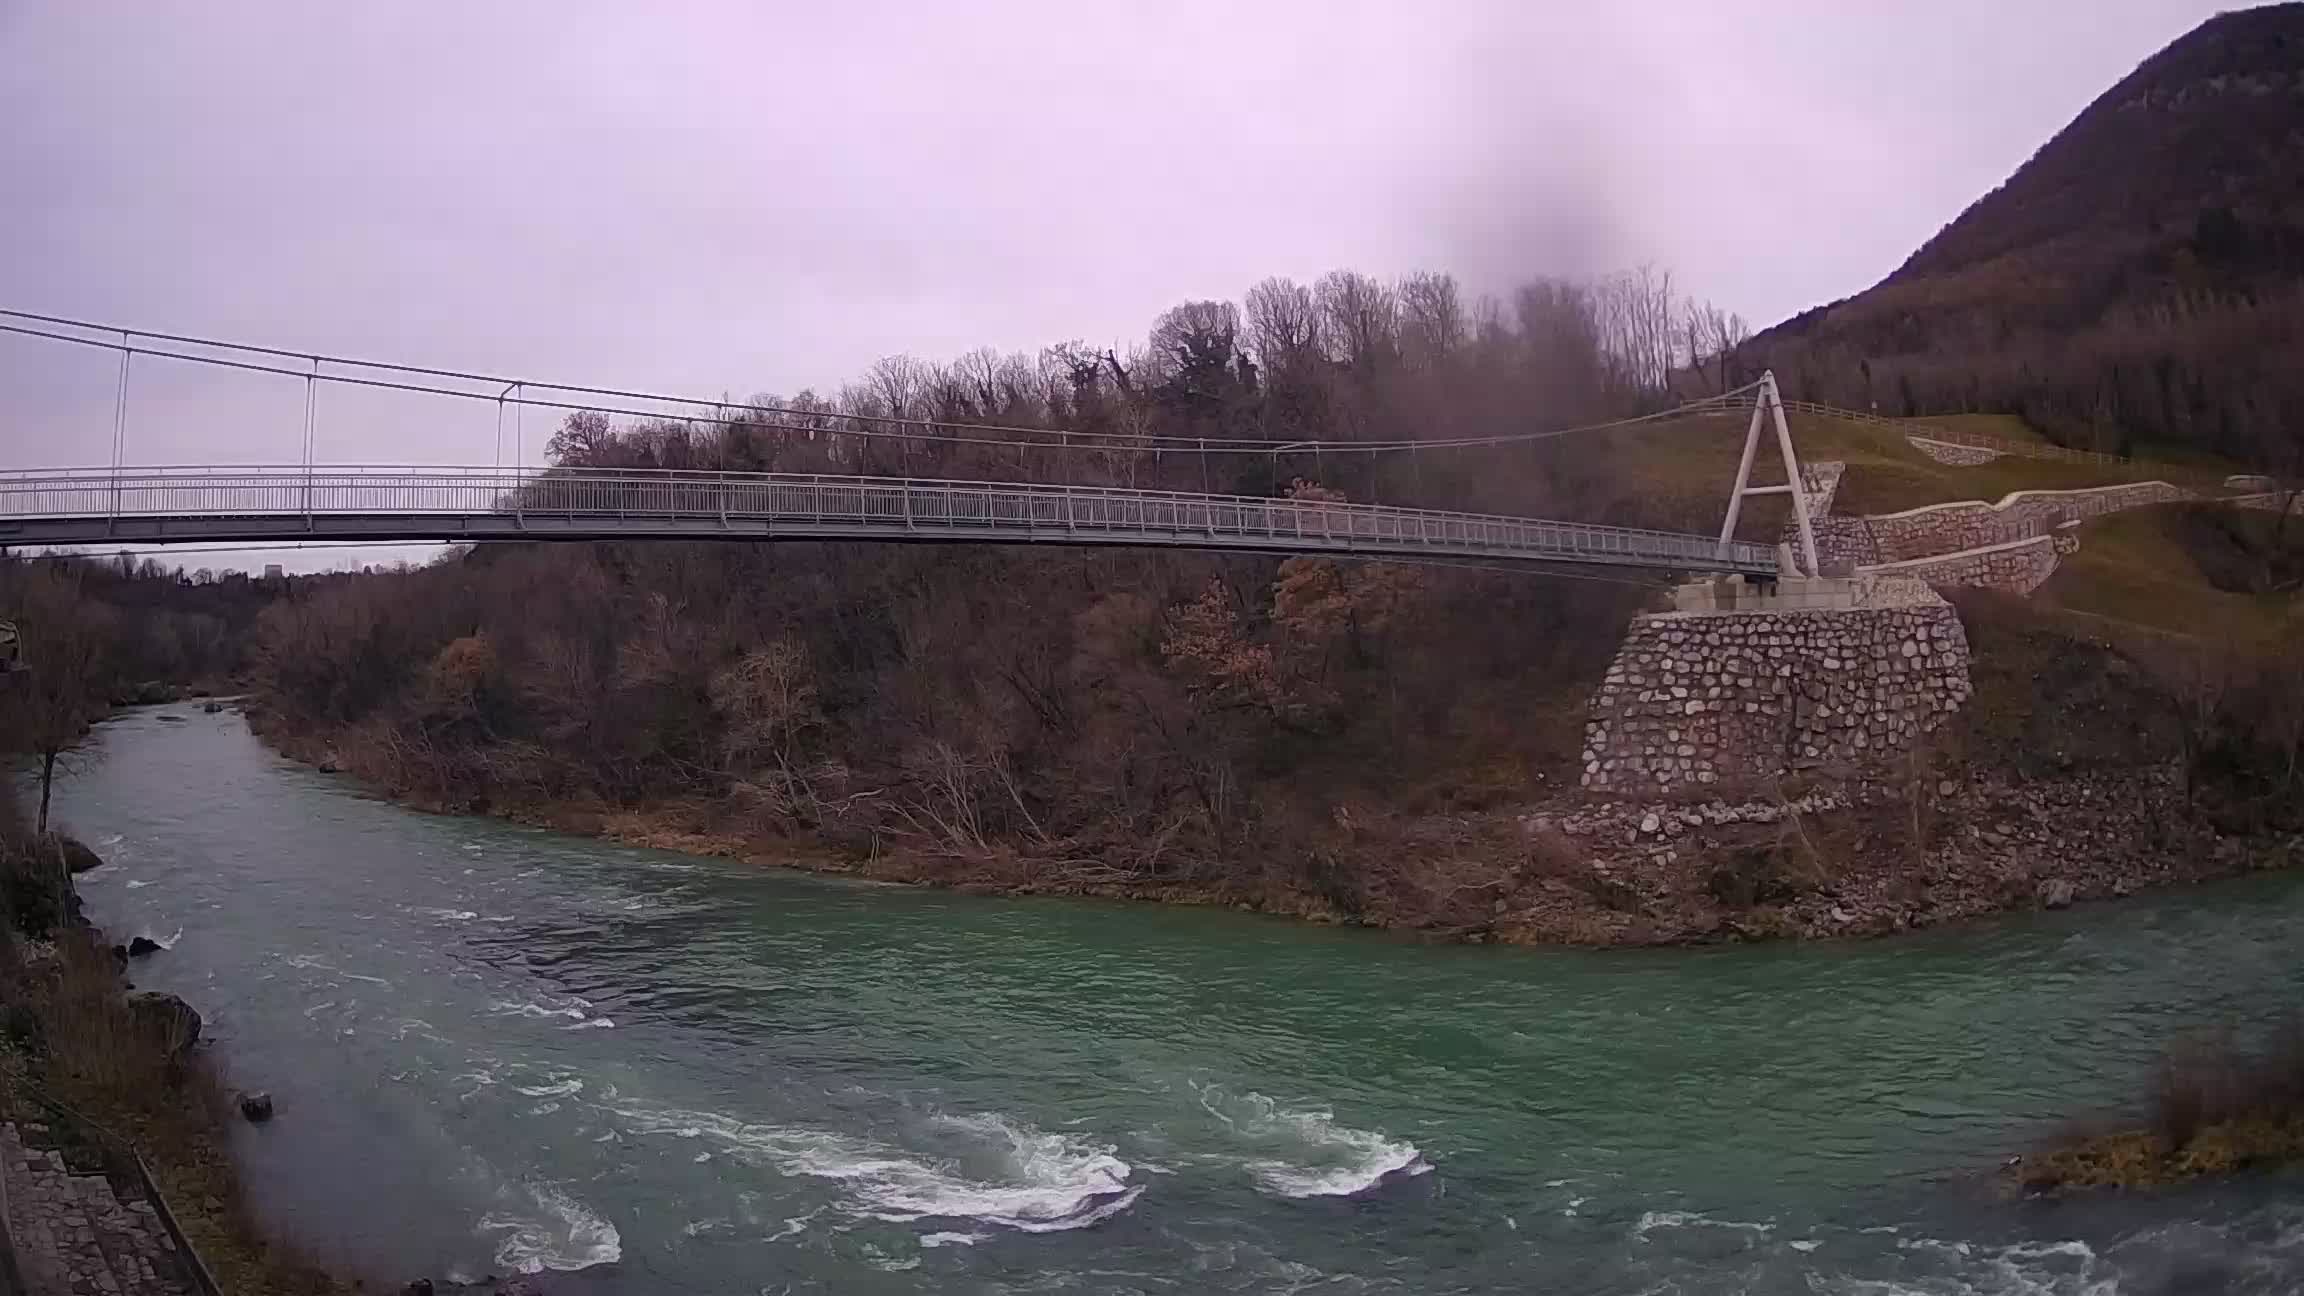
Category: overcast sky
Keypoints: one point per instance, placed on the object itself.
(763, 197)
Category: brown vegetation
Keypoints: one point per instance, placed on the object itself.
(1119, 720)
(2214, 1108)
(46, 709)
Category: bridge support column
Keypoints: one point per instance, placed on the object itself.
(1768, 407)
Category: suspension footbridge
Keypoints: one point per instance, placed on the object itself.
(124, 504)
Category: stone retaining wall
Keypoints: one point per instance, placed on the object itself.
(1738, 698)
(1821, 482)
(1947, 528)
(1844, 540)
(2019, 567)
(1959, 456)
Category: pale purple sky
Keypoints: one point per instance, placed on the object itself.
(754, 197)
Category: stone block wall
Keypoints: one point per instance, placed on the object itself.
(2274, 502)
(1947, 528)
(1695, 700)
(1841, 540)
(2019, 567)
(1947, 452)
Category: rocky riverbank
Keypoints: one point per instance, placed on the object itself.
(90, 1068)
(1823, 860)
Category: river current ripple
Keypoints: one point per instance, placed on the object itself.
(497, 1050)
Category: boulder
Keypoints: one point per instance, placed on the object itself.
(2055, 893)
(142, 946)
(172, 1022)
(213, 708)
(77, 857)
(256, 1107)
(420, 1287)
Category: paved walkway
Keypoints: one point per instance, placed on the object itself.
(77, 1233)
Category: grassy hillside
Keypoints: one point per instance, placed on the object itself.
(2178, 570)
(1676, 475)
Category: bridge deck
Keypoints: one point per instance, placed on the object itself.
(161, 505)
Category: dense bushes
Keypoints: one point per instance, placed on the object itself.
(1110, 715)
(1154, 714)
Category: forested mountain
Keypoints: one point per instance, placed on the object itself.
(2140, 281)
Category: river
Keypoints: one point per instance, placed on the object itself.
(500, 1049)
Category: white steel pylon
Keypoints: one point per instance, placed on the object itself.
(1768, 404)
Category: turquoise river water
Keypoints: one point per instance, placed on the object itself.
(498, 1049)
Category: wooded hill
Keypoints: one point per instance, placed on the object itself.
(2137, 285)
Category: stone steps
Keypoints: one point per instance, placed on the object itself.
(75, 1232)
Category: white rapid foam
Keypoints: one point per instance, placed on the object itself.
(2070, 1268)
(1032, 1181)
(1650, 1221)
(447, 915)
(1305, 1152)
(931, 1241)
(559, 1233)
(562, 1088)
(541, 1007)
(135, 883)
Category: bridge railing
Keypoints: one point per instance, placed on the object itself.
(810, 502)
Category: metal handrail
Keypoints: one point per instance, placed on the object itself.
(640, 500)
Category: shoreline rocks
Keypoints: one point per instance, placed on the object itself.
(174, 1023)
(77, 856)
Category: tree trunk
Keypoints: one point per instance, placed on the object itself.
(47, 783)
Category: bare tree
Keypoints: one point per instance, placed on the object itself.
(1560, 329)
(767, 706)
(1283, 326)
(1637, 316)
(50, 704)
(1433, 321)
(1713, 336)
(1361, 319)
(1196, 342)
